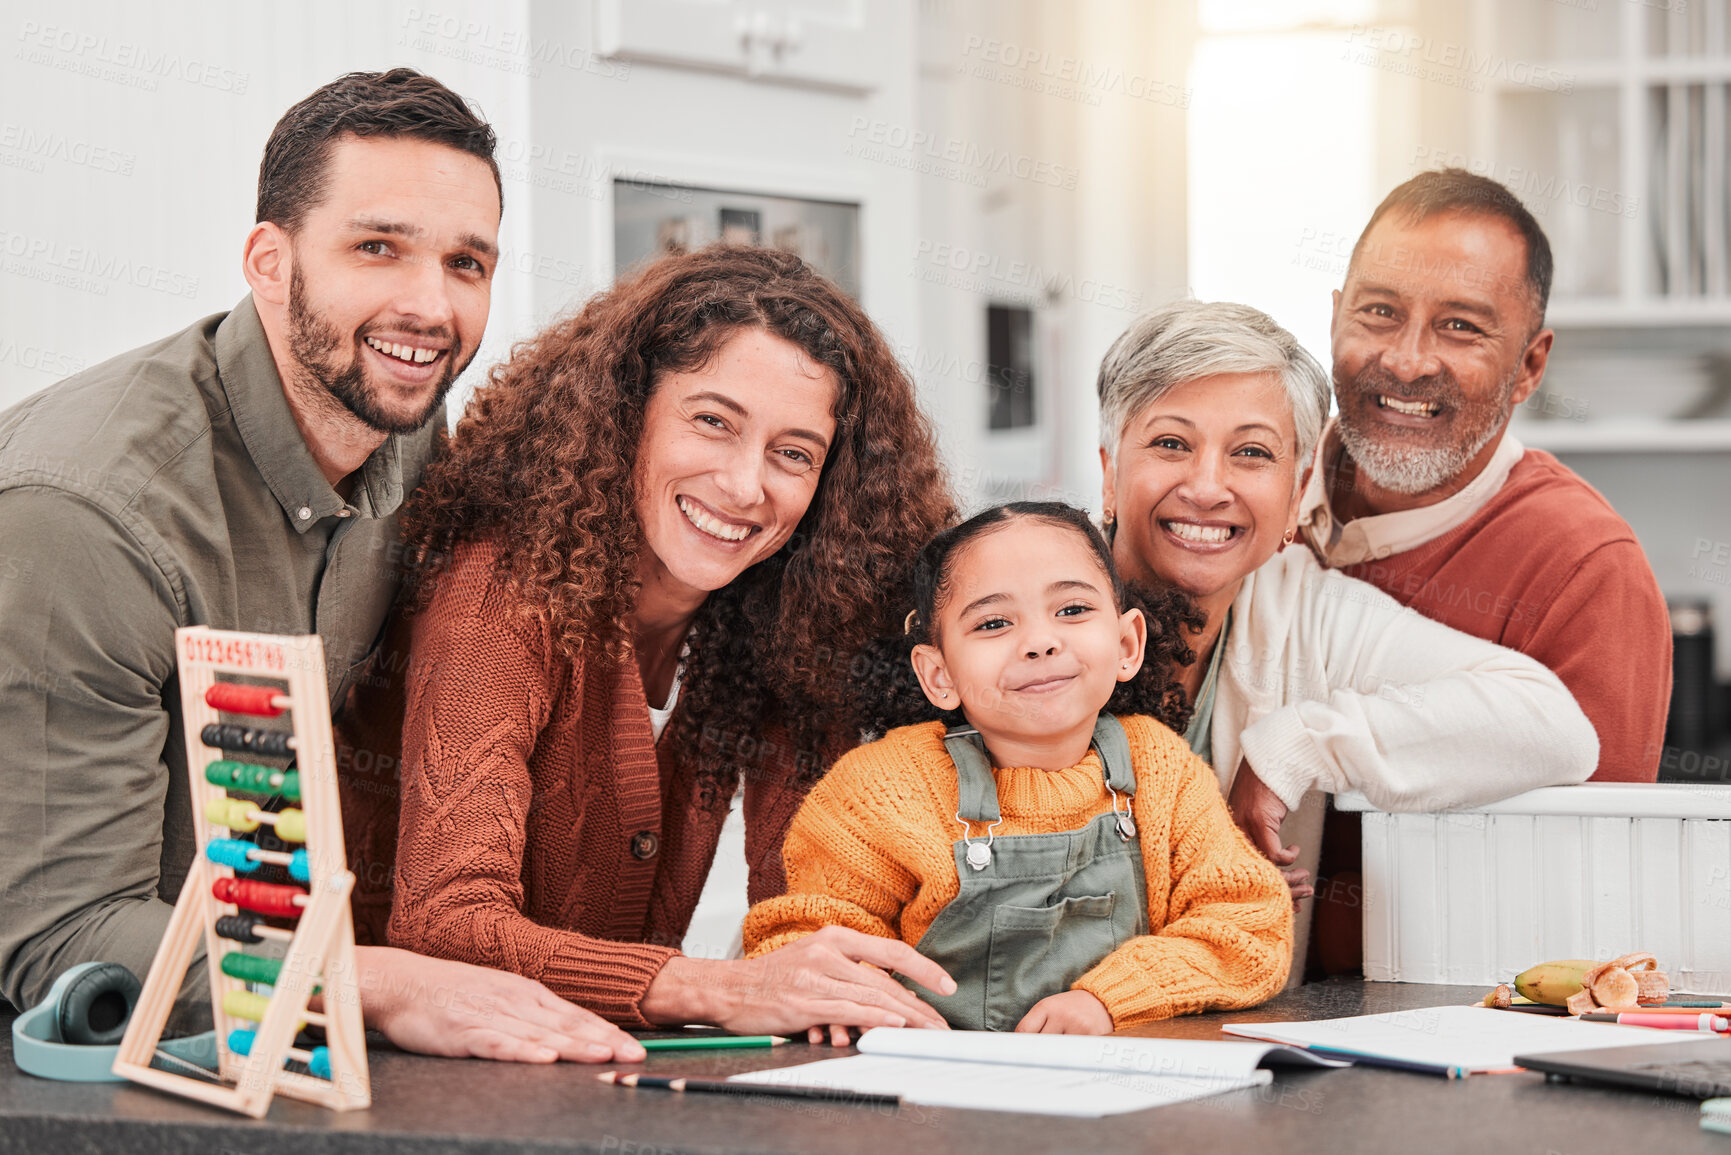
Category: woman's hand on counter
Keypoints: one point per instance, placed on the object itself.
(438, 1007)
(815, 981)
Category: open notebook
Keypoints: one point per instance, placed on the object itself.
(1040, 1074)
(1472, 1039)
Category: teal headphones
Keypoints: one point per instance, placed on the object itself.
(74, 1034)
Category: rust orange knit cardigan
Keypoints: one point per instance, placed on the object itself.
(542, 829)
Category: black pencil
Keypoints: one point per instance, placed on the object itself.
(722, 1087)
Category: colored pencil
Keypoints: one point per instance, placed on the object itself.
(1701, 1022)
(1535, 1008)
(721, 1087)
(1665, 1009)
(1362, 1060)
(712, 1042)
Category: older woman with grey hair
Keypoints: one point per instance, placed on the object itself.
(1307, 681)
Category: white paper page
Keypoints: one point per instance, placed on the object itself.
(1184, 1058)
(998, 1086)
(1477, 1038)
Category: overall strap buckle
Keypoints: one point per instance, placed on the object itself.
(1114, 748)
(976, 792)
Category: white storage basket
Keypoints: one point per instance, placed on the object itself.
(1589, 871)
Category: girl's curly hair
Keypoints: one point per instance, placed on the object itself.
(890, 694)
(544, 463)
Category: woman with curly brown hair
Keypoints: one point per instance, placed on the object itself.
(689, 505)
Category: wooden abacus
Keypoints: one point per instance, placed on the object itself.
(230, 797)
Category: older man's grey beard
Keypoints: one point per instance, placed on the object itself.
(1397, 464)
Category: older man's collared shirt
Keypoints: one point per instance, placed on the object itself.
(1529, 556)
(167, 487)
(1382, 535)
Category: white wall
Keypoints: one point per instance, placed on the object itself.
(1088, 227)
(129, 151)
(130, 145)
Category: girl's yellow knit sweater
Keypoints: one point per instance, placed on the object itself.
(872, 849)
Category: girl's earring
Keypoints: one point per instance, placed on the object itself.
(1107, 518)
(1286, 539)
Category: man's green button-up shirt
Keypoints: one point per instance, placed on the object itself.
(166, 487)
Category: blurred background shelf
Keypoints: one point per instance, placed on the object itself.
(1612, 122)
(1629, 436)
(1590, 312)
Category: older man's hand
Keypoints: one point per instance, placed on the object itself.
(1258, 811)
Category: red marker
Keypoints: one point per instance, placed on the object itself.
(1703, 1022)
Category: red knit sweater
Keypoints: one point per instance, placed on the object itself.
(542, 829)
(1549, 569)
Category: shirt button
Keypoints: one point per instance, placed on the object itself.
(303, 513)
(644, 844)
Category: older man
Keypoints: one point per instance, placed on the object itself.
(1419, 489)
(1438, 333)
(245, 473)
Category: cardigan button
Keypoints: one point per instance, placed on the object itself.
(644, 844)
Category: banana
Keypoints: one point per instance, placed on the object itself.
(1554, 982)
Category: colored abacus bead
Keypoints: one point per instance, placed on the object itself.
(234, 813)
(233, 698)
(250, 928)
(318, 1060)
(254, 779)
(239, 814)
(291, 825)
(233, 853)
(270, 898)
(247, 857)
(240, 927)
(227, 736)
(251, 968)
(245, 1005)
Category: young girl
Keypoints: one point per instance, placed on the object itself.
(1075, 871)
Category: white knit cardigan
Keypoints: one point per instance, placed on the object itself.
(1328, 685)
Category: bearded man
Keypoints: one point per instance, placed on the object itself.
(1419, 488)
(245, 473)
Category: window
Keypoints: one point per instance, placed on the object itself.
(1009, 367)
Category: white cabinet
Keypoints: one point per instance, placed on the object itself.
(1612, 123)
(818, 43)
(1590, 871)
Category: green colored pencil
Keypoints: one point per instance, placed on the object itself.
(712, 1042)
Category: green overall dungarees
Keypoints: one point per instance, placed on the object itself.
(1036, 911)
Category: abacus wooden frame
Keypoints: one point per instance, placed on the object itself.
(322, 952)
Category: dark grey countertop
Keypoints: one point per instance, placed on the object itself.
(436, 1106)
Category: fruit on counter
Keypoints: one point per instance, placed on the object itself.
(1652, 987)
(1553, 982)
(1615, 987)
(1501, 998)
(1582, 985)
